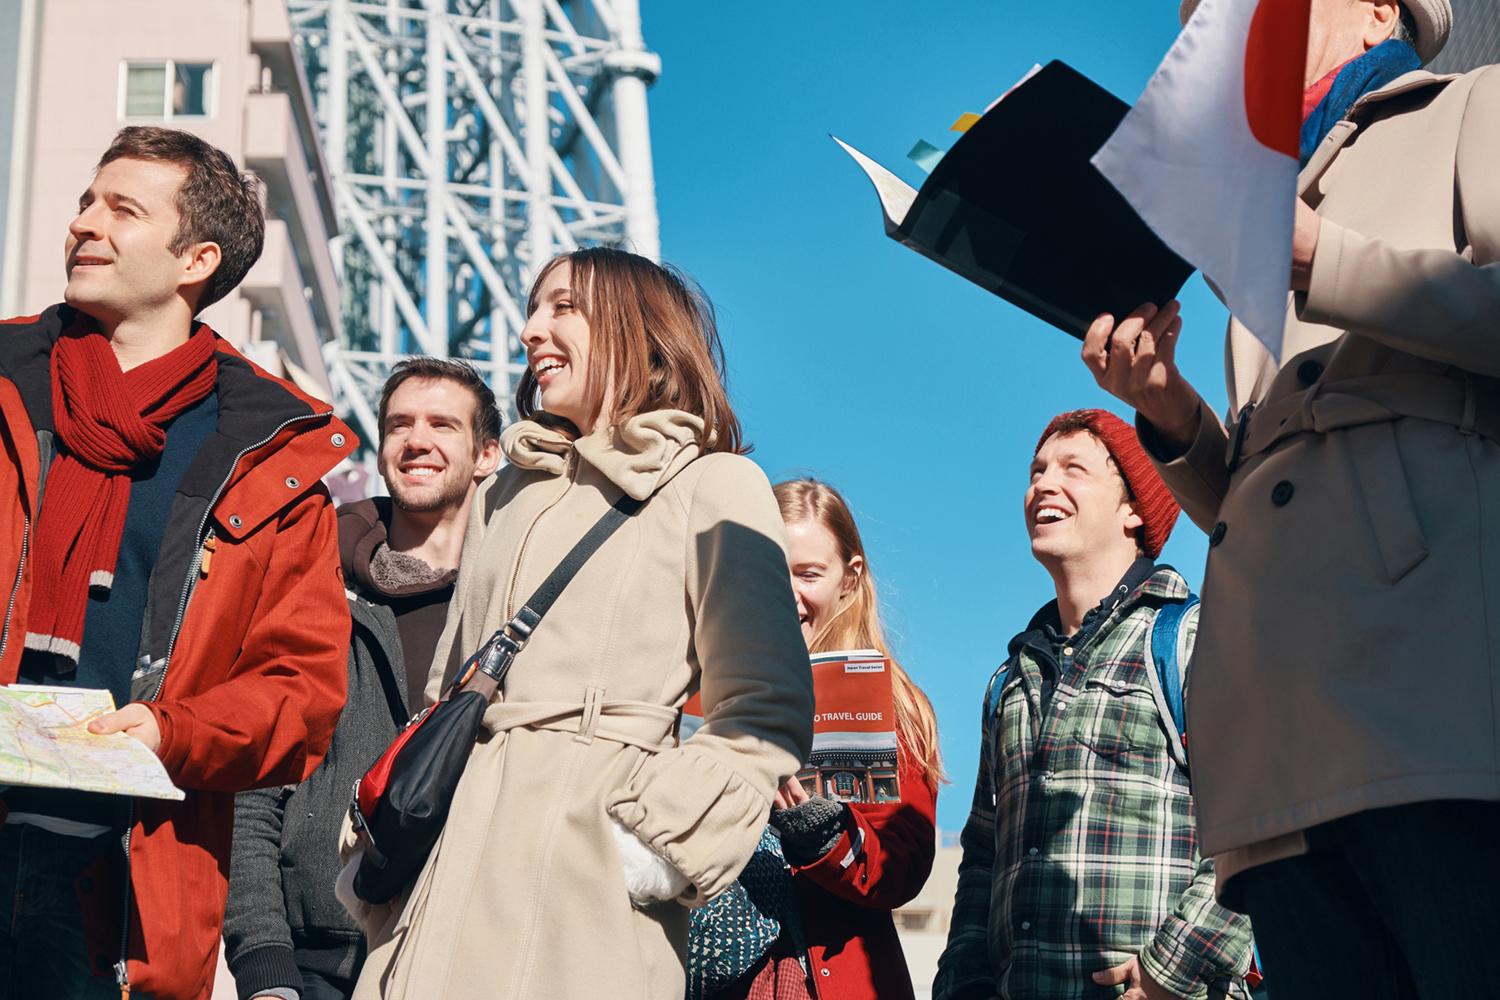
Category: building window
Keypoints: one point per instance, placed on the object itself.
(166, 89)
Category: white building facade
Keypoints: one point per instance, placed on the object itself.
(79, 70)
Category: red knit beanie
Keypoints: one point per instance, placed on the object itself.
(1152, 500)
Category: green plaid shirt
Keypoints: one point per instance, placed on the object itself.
(1081, 849)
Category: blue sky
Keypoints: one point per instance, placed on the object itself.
(851, 357)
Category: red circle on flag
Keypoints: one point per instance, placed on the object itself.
(1275, 62)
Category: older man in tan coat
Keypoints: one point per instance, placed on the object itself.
(1345, 711)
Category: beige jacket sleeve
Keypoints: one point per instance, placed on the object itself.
(1198, 477)
(1435, 304)
(702, 806)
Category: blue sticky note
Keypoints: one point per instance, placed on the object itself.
(925, 155)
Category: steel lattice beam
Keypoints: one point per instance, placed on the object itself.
(469, 141)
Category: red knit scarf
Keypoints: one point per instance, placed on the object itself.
(109, 423)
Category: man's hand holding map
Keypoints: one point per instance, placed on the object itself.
(44, 740)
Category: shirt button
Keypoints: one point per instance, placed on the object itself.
(824, 972)
(1309, 372)
(1217, 535)
(1067, 650)
(1281, 494)
(1033, 852)
(1026, 925)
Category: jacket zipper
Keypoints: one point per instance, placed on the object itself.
(122, 970)
(10, 608)
(571, 474)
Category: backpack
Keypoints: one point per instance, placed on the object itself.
(1166, 663)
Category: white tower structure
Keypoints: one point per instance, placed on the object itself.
(469, 141)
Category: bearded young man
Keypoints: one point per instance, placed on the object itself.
(162, 517)
(1081, 875)
(286, 935)
(1345, 721)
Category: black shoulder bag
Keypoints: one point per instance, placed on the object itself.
(402, 801)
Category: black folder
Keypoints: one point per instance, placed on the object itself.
(1017, 208)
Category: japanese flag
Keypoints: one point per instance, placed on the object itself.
(1208, 155)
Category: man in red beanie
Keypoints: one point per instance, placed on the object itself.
(1081, 871)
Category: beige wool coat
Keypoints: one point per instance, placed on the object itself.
(524, 897)
(1348, 655)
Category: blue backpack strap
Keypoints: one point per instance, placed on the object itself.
(1166, 644)
(991, 690)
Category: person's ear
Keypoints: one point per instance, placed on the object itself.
(852, 574)
(1133, 521)
(200, 261)
(489, 459)
(1381, 21)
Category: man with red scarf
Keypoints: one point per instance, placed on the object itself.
(1343, 720)
(164, 535)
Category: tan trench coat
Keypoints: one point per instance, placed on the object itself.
(524, 896)
(1349, 650)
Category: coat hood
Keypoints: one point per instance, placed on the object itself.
(364, 526)
(361, 531)
(638, 455)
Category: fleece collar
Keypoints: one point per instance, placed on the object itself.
(639, 455)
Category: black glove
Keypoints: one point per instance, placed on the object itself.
(810, 830)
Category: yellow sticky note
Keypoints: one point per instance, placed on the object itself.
(965, 122)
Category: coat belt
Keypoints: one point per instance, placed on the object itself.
(1469, 403)
(644, 724)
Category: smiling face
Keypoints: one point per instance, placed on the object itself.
(1076, 506)
(428, 455)
(557, 350)
(116, 253)
(821, 579)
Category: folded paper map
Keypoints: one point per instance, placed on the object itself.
(44, 741)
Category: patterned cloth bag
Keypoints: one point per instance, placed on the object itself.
(729, 935)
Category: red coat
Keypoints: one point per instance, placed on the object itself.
(847, 895)
(244, 645)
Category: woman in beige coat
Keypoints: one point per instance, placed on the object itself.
(581, 832)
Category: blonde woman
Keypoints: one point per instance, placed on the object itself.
(580, 832)
(852, 864)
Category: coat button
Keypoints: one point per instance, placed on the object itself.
(1309, 372)
(235, 521)
(1281, 493)
(338, 440)
(1217, 535)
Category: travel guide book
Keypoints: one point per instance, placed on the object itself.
(853, 756)
(1017, 208)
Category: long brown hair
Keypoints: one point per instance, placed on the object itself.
(856, 623)
(653, 339)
